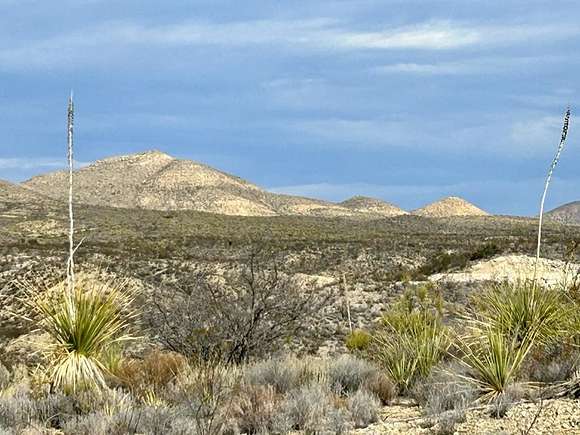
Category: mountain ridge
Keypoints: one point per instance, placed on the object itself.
(157, 181)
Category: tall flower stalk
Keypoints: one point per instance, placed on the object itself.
(547, 185)
(70, 269)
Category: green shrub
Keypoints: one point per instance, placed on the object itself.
(358, 340)
(507, 323)
(412, 338)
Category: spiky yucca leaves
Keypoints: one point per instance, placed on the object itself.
(493, 358)
(509, 319)
(410, 345)
(520, 308)
(83, 327)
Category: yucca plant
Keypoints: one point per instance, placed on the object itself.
(493, 359)
(516, 309)
(410, 345)
(83, 328)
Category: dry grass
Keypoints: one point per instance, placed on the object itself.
(150, 374)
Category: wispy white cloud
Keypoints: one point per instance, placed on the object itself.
(484, 65)
(535, 132)
(112, 38)
(361, 133)
(430, 36)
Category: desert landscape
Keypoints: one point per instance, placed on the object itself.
(322, 217)
(336, 285)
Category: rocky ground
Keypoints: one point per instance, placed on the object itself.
(549, 417)
(512, 268)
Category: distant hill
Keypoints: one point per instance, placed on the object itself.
(157, 181)
(566, 214)
(13, 193)
(17, 202)
(364, 204)
(451, 206)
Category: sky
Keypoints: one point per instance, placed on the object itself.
(404, 100)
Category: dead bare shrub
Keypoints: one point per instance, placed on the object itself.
(238, 314)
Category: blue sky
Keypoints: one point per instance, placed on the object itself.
(405, 100)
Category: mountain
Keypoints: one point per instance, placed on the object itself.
(155, 180)
(566, 214)
(364, 204)
(451, 206)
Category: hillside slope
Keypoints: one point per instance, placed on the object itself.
(451, 206)
(566, 214)
(13, 195)
(154, 180)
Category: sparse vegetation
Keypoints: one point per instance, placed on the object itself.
(220, 315)
(412, 338)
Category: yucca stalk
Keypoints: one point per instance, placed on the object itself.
(547, 185)
(70, 269)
